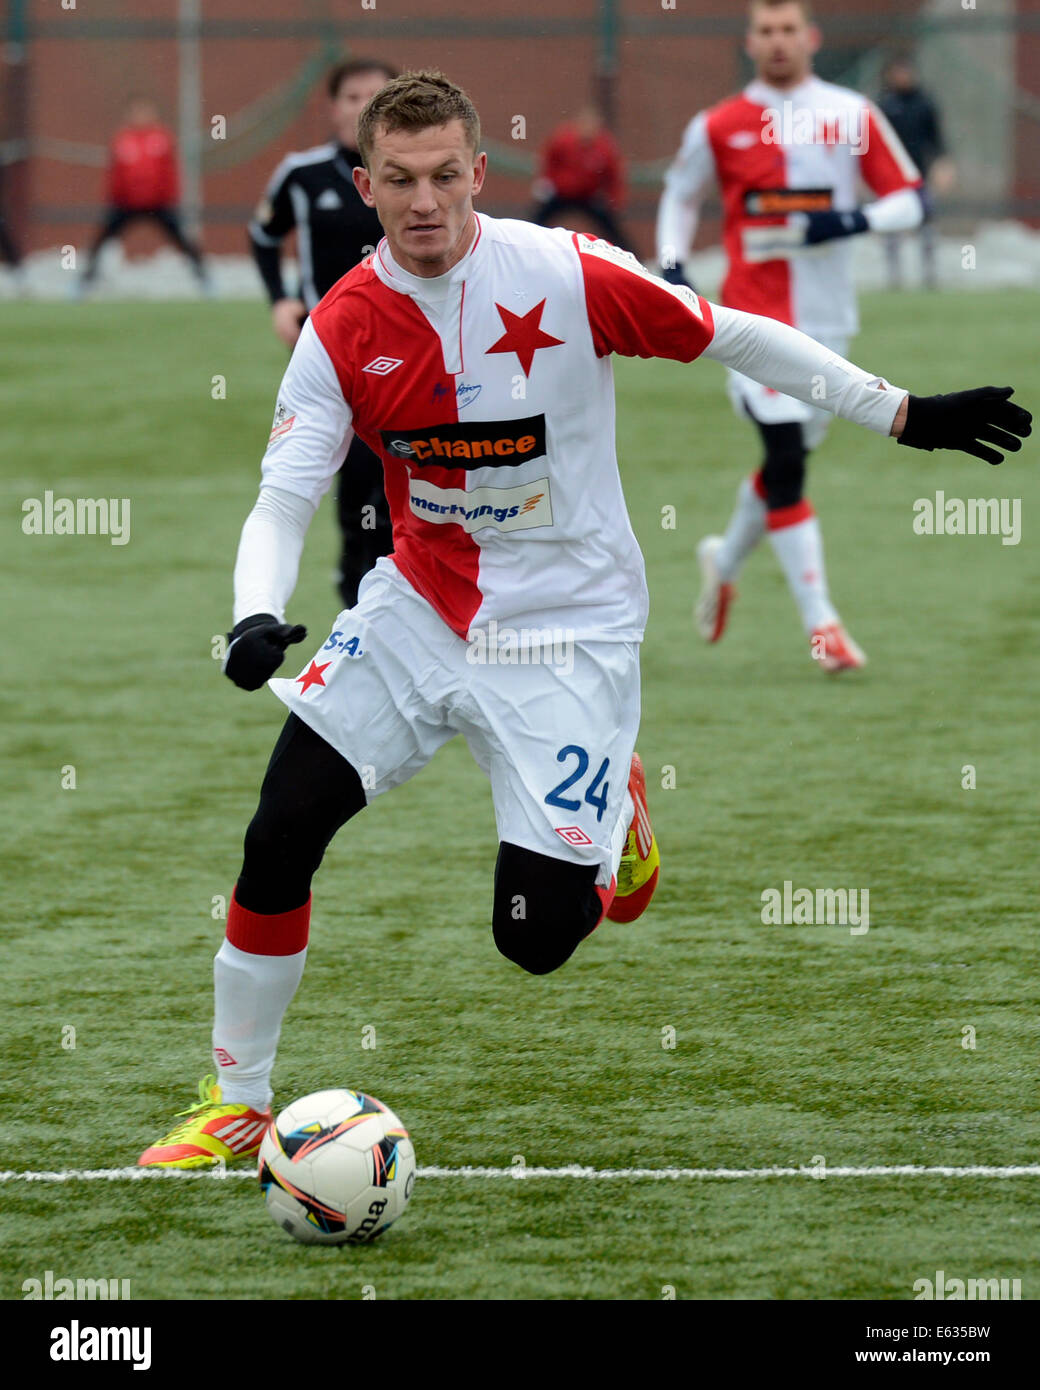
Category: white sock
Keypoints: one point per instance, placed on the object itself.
(251, 994)
(799, 548)
(746, 528)
(620, 835)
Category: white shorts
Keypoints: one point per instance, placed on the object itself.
(771, 407)
(554, 733)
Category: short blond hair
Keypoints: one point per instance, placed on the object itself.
(416, 101)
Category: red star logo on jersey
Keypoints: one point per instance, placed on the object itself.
(523, 335)
(312, 676)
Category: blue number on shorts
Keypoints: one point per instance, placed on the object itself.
(600, 802)
(554, 798)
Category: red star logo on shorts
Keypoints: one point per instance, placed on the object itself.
(523, 335)
(312, 676)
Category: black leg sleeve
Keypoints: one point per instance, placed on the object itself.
(308, 793)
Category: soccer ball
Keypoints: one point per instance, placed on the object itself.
(336, 1166)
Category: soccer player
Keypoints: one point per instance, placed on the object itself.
(143, 182)
(510, 531)
(314, 192)
(787, 153)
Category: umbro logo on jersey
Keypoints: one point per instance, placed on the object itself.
(329, 199)
(742, 139)
(573, 834)
(470, 444)
(383, 366)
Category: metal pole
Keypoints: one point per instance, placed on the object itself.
(16, 119)
(606, 64)
(189, 110)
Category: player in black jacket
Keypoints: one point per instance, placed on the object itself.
(914, 116)
(313, 191)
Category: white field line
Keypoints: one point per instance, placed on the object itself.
(907, 1170)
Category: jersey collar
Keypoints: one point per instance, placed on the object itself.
(432, 287)
(762, 94)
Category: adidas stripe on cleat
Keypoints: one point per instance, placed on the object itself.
(641, 859)
(212, 1133)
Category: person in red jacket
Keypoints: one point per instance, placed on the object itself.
(143, 181)
(582, 170)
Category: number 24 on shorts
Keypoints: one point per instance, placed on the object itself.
(594, 798)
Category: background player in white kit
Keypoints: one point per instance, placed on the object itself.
(788, 154)
(508, 514)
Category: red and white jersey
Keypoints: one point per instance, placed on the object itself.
(774, 153)
(488, 394)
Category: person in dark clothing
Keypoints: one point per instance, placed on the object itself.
(313, 192)
(8, 250)
(914, 117)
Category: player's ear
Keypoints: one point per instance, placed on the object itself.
(815, 39)
(363, 184)
(479, 172)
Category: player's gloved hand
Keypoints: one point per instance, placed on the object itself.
(826, 226)
(256, 649)
(962, 419)
(674, 275)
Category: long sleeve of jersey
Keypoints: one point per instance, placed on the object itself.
(780, 356)
(891, 174)
(309, 438)
(685, 184)
(636, 314)
(269, 551)
(271, 223)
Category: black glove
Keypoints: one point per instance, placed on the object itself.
(674, 275)
(256, 649)
(825, 226)
(963, 418)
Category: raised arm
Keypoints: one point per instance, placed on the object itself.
(637, 314)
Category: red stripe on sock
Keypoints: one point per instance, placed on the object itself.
(268, 934)
(758, 484)
(780, 517)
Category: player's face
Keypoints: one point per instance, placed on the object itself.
(422, 184)
(346, 105)
(781, 43)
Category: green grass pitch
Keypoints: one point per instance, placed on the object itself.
(790, 1042)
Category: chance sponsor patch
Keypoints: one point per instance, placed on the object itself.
(469, 444)
(505, 508)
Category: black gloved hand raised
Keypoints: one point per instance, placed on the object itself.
(964, 418)
(256, 649)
